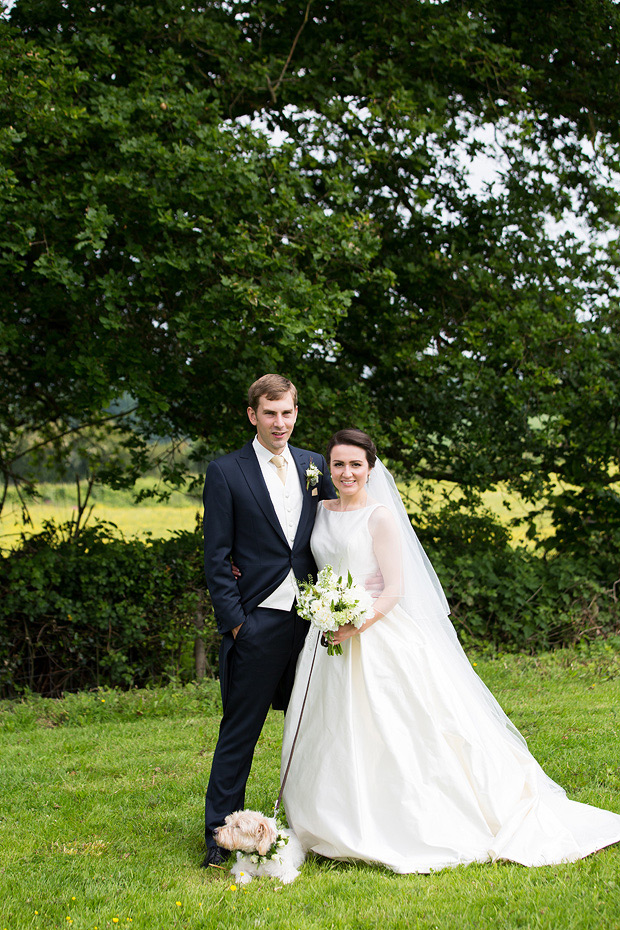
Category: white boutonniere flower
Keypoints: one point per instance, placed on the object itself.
(312, 475)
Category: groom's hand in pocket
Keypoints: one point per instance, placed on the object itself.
(236, 575)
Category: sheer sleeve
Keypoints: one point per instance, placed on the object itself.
(386, 544)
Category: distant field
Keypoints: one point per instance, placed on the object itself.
(131, 521)
(58, 503)
(506, 505)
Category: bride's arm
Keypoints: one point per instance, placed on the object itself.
(386, 545)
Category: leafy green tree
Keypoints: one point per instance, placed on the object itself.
(151, 247)
(409, 207)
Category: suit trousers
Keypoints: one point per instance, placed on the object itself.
(260, 665)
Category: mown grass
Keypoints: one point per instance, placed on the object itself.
(101, 802)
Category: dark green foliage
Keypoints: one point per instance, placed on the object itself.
(194, 194)
(513, 598)
(98, 610)
(101, 611)
(158, 241)
(587, 525)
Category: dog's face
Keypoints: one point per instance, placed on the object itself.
(247, 831)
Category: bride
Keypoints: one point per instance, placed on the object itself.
(403, 756)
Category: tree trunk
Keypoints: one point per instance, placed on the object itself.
(200, 655)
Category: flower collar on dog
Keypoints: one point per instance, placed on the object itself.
(273, 851)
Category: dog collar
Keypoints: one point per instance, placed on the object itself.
(274, 850)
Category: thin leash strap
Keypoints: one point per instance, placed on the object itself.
(301, 713)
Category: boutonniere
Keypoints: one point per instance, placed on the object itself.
(312, 475)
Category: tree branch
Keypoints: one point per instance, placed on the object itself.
(75, 429)
(273, 88)
(82, 506)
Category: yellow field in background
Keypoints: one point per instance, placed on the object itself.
(505, 505)
(137, 520)
(162, 520)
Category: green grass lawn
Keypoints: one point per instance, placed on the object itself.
(102, 803)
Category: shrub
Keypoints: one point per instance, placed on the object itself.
(101, 611)
(510, 597)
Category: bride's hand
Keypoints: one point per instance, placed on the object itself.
(346, 632)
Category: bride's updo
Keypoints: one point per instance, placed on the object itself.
(353, 437)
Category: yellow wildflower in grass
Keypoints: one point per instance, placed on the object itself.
(233, 888)
(178, 904)
(115, 920)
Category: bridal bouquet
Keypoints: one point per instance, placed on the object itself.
(332, 602)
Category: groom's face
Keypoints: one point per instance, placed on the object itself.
(274, 421)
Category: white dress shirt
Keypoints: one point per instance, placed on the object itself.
(287, 500)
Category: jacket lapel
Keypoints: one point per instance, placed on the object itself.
(302, 461)
(253, 474)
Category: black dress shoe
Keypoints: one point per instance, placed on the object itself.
(215, 856)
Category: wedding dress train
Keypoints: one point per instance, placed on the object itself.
(402, 759)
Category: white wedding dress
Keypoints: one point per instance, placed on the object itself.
(398, 759)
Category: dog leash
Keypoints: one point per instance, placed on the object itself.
(301, 713)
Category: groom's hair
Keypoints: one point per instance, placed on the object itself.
(272, 387)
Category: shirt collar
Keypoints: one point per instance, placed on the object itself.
(264, 455)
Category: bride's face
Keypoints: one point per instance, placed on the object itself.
(349, 470)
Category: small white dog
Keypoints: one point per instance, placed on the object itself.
(262, 847)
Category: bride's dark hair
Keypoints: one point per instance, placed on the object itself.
(353, 437)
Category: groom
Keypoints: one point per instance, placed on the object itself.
(260, 503)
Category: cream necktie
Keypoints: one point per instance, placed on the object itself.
(280, 462)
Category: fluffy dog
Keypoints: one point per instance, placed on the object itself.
(262, 847)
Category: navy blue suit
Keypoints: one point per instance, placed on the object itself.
(257, 668)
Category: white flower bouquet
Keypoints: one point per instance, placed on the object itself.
(332, 602)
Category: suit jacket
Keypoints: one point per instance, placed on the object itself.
(241, 523)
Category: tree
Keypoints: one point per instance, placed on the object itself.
(197, 193)
(149, 244)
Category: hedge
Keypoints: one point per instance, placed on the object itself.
(100, 610)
